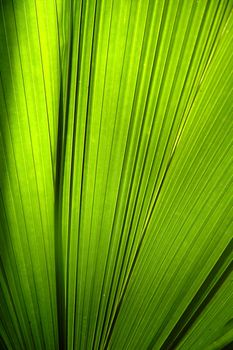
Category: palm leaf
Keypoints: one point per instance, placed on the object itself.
(116, 190)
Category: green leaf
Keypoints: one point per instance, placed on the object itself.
(116, 144)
